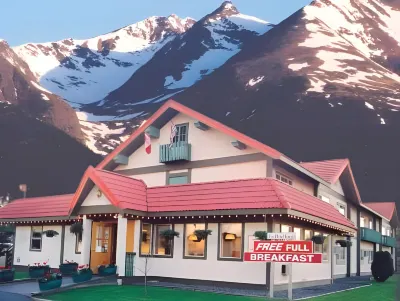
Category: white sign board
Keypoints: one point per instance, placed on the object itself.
(282, 236)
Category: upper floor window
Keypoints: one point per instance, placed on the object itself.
(181, 134)
(389, 232)
(178, 178)
(284, 179)
(371, 225)
(324, 198)
(362, 221)
(342, 209)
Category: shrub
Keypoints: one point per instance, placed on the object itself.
(382, 266)
(261, 235)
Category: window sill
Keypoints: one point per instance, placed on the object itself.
(230, 259)
(32, 250)
(194, 257)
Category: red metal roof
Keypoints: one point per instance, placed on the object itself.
(385, 209)
(171, 104)
(329, 170)
(122, 191)
(49, 206)
(240, 194)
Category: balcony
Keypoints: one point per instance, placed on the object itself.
(388, 241)
(371, 235)
(180, 151)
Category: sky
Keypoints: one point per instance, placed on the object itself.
(25, 21)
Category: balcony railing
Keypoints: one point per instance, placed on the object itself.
(371, 235)
(180, 151)
(388, 241)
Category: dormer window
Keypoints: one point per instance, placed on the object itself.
(284, 179)
(181, 133)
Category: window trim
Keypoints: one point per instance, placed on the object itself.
(219, 244)
(187, 132)
(341, 206)
(321, 196)
(30, 241)
(277, 173)
(153, 242)
(140, 241)
(184, 243)
(76, 244)
(169, 175)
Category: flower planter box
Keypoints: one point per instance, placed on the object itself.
(7, 275)
(35, 272)
(49, 285)
(82, 277)
(68, 268)
(103, 271)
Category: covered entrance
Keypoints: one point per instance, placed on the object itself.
(103, 244)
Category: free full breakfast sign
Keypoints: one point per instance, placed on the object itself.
(299, 251)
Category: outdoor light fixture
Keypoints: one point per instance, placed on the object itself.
(230, 236)
(99, 193)
(192, 237)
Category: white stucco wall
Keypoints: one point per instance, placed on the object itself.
(152, 179)
(365, 267)
(205, 145)
(338, 187)
(51, 247)
(353, 254)
(93, 200)
(69, 246)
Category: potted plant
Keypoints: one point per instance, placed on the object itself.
(76, 228)
(68, 267)
(107, 270)
(50, 281)
(7, 275)
(38, 269)
(202, 234)
(318, 239)
(261, 235)
(82, 274)
(344, 243)
(50, 233)
(169, 234)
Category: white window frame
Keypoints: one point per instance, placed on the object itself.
(341, 206)
(36, 238)
(324, 198)
(283, 179)
(221, 238)
(185, 238)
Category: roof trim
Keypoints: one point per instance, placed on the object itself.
(171, 104)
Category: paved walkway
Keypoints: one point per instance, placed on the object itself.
(13, 297)
(298, 294)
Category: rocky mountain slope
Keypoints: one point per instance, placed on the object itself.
(35, 153)
(18, 86)
(313, 88)
(83, 71)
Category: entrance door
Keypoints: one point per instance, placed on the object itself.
(102, 244)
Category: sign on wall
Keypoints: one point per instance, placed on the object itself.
(299, 251)
(282, 236)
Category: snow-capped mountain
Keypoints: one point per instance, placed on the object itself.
(19, 87)
(183, 61)
(83, 71)
(322, 84)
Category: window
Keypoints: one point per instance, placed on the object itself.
(231, 241)
(145, 242)
(193, 247)
(324, 248)
(102, 237)
(340, 254)
(362, 221)
(298, 233)
(307, 234)
(342, 209)
(284, 179)
(286, 229)
(78, 243)
(36, 238)
(389, 232)
(324, 198)
(181, 133)
(367, 256)
(370, 256)
(177, 179)
(370, 225)
(162, 246)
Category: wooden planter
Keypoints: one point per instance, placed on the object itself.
(7, 275)
(68, 268)
(35, 272)
(82, 277)
(49, 285)
(103, 271)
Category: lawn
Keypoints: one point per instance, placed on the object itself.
(378, 291)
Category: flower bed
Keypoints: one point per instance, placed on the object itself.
(68, 267)
(50, 281)
(107, 270)
(84, 273)
(7, 275)
(38, 269)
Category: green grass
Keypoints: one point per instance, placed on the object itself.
(21, 275)
(377, 292)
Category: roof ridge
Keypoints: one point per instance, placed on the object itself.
(41, 197)
(327, 160)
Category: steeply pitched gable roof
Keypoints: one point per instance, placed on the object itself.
(387, 210)
(329, 170)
